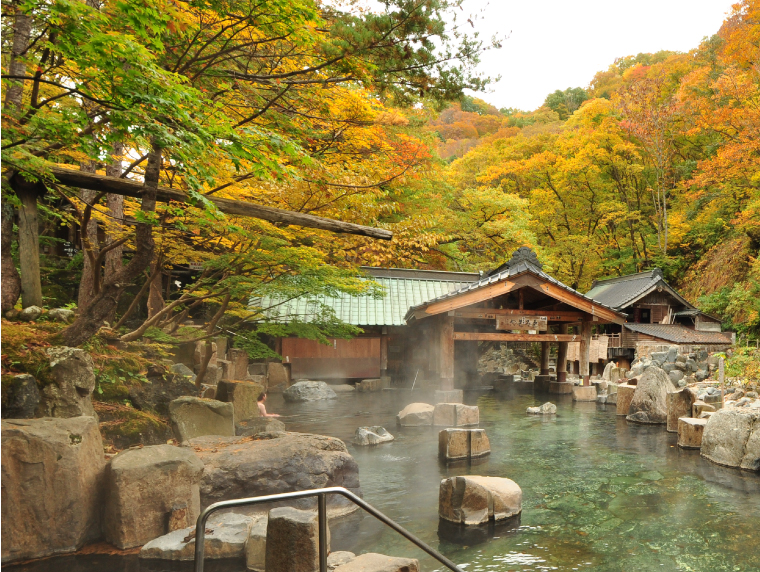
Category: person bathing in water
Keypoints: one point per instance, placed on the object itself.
(262, 407)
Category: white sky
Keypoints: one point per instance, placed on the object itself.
(556, 44)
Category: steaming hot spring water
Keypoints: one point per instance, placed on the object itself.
(598, 493)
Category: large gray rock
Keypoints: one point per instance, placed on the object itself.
(679, 405)
(147, 489)
(458, 444)
(52, 477)
(416, 415)
(338, 558)
(240, 467)
(649, 403)
(309, 391)
(473, 500)
(70, 393)
(293, 541)
(676, 376)
(21, 398)
(195, 417)
(372, 436)
(259, 425)
(278, 376)
(372, 562)
(160, 390)
(256, 547)
(30, 313)
(226, 537)
(455, 415)
(732, 438)
(547, 408)
(184, 371)
(243, 395)
(606, 375)
(62, 315)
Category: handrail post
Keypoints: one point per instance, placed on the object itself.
(322, 518)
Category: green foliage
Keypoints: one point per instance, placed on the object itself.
(566, 102)
(744, 364)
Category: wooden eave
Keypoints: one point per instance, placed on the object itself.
(591, 311)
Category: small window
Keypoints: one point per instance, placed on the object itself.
(646, 316)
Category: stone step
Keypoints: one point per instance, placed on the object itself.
(690, 432)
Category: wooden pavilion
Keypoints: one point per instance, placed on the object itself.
(517, 302)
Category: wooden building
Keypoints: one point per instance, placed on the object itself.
(656, 315)
(429, 324)
(382, 349)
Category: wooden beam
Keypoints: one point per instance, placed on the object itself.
(131, 188)
(545, 349)
(446, 367)
(491, 337)
(467, 299)
(585, 349)
(598, 313)
(493, 313)
(562, 356)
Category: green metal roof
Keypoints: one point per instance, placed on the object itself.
(403, 289)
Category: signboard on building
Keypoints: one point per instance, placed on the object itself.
(523, 323)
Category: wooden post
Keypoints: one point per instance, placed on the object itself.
(562, 356)
(384, 355)
(585, 347)
(544, 358)
(446, 348)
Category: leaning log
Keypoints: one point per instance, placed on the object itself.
(134, 189)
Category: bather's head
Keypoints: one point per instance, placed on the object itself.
(262, 397)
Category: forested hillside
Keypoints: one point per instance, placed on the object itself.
(359, 117)
(655, 163)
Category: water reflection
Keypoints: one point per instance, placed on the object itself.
(598, 493)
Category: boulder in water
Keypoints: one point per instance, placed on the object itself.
(475, 500)
(456, 415)
(372, 436)
(732, 438)
(309, 391)
(547, 408)
(416, 415)
(650, 399)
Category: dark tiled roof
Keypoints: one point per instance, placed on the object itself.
(680, 334)
(622, 291)
(513, 268)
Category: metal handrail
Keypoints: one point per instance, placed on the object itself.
(321, 495)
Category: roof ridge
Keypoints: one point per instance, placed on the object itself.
(627, 277)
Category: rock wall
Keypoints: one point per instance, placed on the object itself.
(238, 467)
(52, 475)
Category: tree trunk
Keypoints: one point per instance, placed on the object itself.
(29, 246)
(116, 209)
(11, 287)
(103, 304)
(14, 94)
(22, 27)
(210, 330)
(155, 296)
(89, 242)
